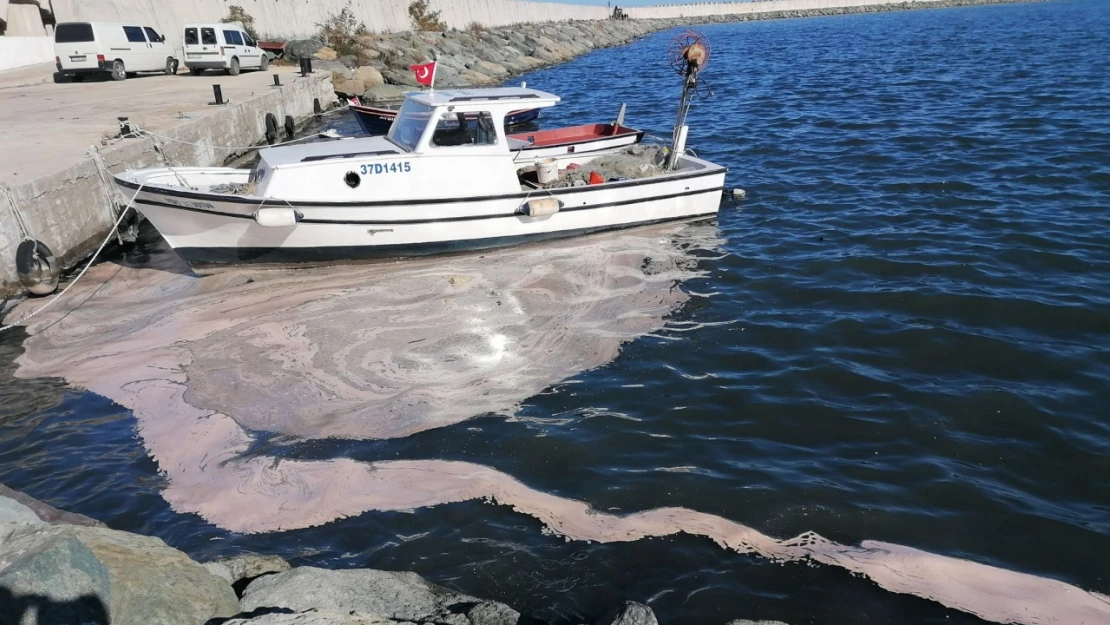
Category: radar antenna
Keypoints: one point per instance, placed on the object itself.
(687, 55)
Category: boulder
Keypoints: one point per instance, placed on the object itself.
(348, 88)
(338, 70)
(491, 69)
(369, 76)
(312, 617)
(398, 596)
(11, 511)
(98, 575)
(302, 48)
(349, 61)
(246, 566)
(384, 93)
(400, 77)
(48, 513)
(326, 54)
(631, 613)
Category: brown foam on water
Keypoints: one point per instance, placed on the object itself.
(389, 350)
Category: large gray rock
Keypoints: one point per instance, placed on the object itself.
(313, 617)
(399, 596)
(11, 511)
(384, 93)
(97, 575)
(302, 48)
(632, 613)
(246, 566)
(48, 513)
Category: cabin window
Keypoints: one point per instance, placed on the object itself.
(456, 129)
(232, 38)
(247, 41)
(134, 34)
(208, 36)
(409, 126)
(191, 38)
(73, 33)
(152, 35)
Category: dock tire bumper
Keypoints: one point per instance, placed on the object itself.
(37, 268)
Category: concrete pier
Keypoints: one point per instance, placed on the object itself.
(64, 193)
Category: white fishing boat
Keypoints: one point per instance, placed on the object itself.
(446, 178)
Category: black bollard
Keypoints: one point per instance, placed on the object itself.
(124, 127)
(219, 95)
(277, 80)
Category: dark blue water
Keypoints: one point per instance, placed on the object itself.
(907, 338)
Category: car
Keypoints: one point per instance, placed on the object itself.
(116, 49)
(222, 46)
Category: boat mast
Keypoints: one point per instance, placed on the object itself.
(694, 54)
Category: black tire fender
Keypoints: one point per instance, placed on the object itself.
(37, 269)
(271, 128)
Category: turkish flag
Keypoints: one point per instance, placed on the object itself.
(425, 73)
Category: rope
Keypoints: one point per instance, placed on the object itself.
(111, 194)
(13, 206)
(329, 134)
(115, 228)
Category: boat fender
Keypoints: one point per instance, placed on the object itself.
(542, 207)
(271, 128)
(290, 126)
(277, 217)
(36, 267)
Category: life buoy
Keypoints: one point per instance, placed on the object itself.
(37, 269)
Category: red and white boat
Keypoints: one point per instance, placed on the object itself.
(533, 146)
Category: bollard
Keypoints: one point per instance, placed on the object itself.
(277, 80)
(124, 127)
(218, 94)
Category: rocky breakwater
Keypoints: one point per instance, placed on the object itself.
(376, 66)
(57, 567)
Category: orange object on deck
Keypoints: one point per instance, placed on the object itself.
(595, 178)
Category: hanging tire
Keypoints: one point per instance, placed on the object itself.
(290, 127)
(234, 69)
(265, 65)
(271, 128)
(37, 269)
(119, 72)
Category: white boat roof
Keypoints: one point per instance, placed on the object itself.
(514, 97)
(298, 153)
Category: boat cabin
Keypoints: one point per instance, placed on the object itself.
(449, 142)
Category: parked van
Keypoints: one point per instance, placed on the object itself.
(222, 46)
(83, 48)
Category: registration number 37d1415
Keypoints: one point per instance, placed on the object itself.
(386, 168)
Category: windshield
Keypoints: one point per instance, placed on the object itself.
(73, 33)
(409, 126)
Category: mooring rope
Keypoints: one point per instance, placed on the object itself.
(115, 228)
(13, 206)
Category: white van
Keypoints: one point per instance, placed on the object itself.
(222, 46)
(83, 48)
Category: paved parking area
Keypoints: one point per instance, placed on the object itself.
(47, 127)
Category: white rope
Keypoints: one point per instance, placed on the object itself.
(100, 249)
(13, 206)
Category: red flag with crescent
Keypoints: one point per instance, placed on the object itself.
(425, 72)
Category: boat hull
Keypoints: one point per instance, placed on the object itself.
(207, 228)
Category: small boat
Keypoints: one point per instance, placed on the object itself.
(446, 178)
(376, 120)
(573, 140)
